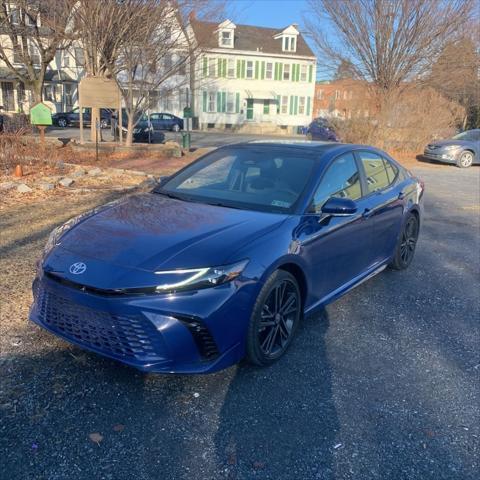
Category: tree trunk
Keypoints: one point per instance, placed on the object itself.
(129, 139)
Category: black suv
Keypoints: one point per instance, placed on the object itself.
(72, 118)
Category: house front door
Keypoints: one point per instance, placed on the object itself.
(249, 108)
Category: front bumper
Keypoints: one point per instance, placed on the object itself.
(193, 332)
(442, 156)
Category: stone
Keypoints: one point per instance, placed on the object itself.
(136, 172)
(78, 173)
(66, 182)
(46, 186)
(7, 185)
(95, 171)
(22, 188)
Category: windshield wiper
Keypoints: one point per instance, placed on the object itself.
(170, 195)
(220, 204)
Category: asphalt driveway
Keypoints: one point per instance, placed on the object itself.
(384, 384)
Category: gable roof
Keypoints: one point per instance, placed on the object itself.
(247, 37)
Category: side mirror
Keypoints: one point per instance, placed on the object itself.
(336, 206)
(162, 179)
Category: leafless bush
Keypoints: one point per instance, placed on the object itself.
(415, 117)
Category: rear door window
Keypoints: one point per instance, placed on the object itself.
(376, 171)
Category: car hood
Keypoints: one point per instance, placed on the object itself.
(451, 141)
(151, 232)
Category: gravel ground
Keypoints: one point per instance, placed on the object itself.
(382, 385)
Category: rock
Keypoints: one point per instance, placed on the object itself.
(136, 172)
(79, 173)
(95, 171)
(22, 188)
(45, 186)
(7, 185)
(66, 182)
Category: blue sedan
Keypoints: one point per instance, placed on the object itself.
(223, 259)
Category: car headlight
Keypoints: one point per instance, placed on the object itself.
(197, 278)
(451, 147)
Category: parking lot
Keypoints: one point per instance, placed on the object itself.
(383, 384)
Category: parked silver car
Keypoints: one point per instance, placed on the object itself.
(463, 149)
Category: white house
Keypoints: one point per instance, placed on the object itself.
(253, 78)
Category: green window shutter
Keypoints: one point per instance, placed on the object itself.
(298, 72)
(237, 103)
(239, 68)
(243, 68)
(310, 73)
(257, 69)
(224, 67)
(308, 105)
(291, 104)
(266, 107)
(224, 102)
(219, 67)
(205, 66)
(295, 107)
(204, 101)
(277, 69)
(278, 103)
(219, 102)
(263, 71)
(293, 72)
(280, 71)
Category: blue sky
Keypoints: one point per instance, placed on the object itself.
(269, 13)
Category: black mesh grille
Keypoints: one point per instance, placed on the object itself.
(203, 338)
(118, 335)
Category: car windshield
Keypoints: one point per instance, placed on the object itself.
(471, 135)
(270, 180)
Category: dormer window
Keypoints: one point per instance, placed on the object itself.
(289, 44)
(226, 38)
(226, 34)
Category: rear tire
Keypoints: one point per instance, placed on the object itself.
(275, 318)
(176, 128)
(465, 160)
(62, 122)
(405, 249)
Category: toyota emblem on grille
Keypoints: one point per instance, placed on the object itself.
(77, 268)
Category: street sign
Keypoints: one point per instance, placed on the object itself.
(187, 112)
(40, 114)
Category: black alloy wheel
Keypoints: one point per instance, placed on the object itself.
(275, 318)
(408, 241)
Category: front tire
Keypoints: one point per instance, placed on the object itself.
(62, 122)
(176, 128)
(465, 160)
(275, 318)
(405, 249)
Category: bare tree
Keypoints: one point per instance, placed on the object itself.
(388, 43)
(36, 29)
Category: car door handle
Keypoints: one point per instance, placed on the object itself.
(367, 213)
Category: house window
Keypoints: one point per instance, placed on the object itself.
(17, 54)
(211, 67)
(337, 94)
(320, 95)
(286, 72)
(226, 39)
(212, 96)
(303, 73)
(34, 54)
(7, 96)
(269, 71)
(301, 105)
(167, 62)
(284, 106)
(289, 44)
(182, 65)
(66, 60)
(79, 57)
(230, 102)
(231, 68)
(249, 69)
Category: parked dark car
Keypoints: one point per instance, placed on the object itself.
(72, 118)
(463, 149)
(223, 259)
(142, 132)
(166, 121)
(321, 129)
